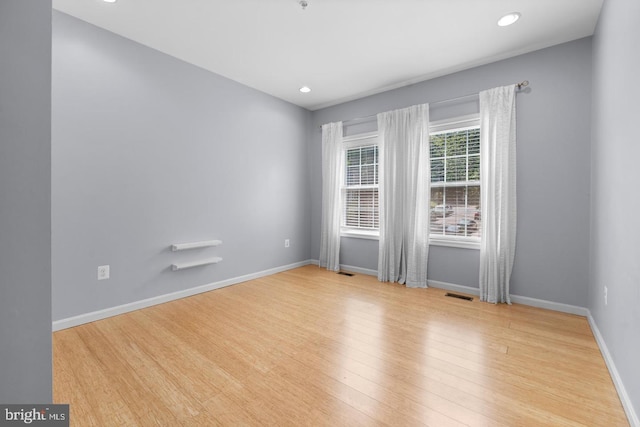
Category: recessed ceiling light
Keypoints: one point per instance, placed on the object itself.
(109, 1)
(305, 89)
(508, 19)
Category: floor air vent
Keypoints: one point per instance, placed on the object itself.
(449, 294)
(344, 273)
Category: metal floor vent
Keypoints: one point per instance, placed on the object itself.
(344, 273)
(449, 294)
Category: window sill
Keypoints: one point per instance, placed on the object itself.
(361, 234)
(454, 242)
(433, 241)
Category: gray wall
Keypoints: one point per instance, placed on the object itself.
(150, 151)
(553, 169)
(615, 194)
(25, 201)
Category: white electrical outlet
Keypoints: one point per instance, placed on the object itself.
(103, 272)
(606, 295)
(287, 243)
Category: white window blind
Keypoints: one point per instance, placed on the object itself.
(361, 208)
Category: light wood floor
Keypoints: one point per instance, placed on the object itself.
(309, 347)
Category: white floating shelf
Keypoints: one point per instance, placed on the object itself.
(184, 265)
(194, 245)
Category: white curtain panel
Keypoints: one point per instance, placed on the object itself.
(404, 195)
(498, 184)
(332, 175)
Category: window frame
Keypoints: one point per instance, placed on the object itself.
(349, 142)
(471, 121)
(367, 138)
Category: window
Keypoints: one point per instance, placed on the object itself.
(455, 181)
(361, 215)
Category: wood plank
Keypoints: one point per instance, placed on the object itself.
(310, 347)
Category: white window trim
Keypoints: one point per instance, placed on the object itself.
(459, 123)
(361, 139)
(357, 140)
(357, 233)
(439, 126)
(443, 126)
(455, 242)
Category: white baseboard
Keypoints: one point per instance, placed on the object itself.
(355, 269)
(533, 302)
(351, 268)
(453, 287)
(615, 376)
(550, 305)
(125, 308)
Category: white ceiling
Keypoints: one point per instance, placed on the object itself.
(342, 49)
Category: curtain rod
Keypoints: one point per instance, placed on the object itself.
(519, 86)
